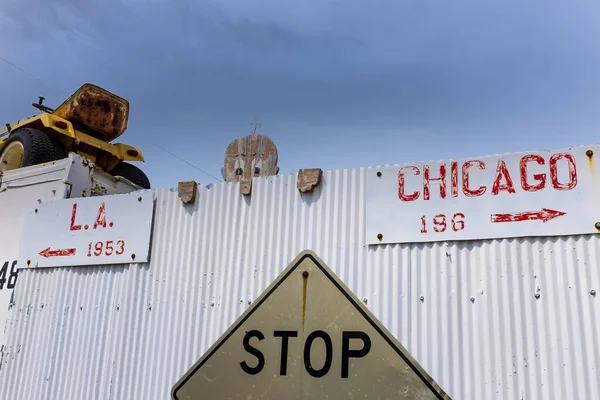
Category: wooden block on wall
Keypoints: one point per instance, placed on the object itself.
(187, 191)
(308, 179)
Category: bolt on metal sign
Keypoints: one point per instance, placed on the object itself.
(540, 193)
(307, 336)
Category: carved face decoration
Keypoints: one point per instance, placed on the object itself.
(250, 156)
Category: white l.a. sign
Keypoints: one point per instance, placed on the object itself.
(307, 337)
(540, 193)
(111, 229)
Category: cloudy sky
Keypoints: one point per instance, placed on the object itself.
(336, 84)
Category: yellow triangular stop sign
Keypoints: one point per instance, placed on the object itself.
(307, 337)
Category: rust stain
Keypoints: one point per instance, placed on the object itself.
(96, 111)
(304, 287)
(590, 156)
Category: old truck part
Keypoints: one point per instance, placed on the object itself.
(86, 124)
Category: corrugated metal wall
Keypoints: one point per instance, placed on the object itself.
(467, 311)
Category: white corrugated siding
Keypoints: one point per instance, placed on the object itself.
(466, 311)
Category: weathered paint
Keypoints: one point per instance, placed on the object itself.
(248, 157)
(308, 358)
(111, 229)
(503, 180)
(96, 111)
(466, 310)
(512, 195)
(21, 191)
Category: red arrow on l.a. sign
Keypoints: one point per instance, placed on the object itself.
(544, 215)
(57, 253)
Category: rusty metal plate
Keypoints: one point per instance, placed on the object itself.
(307, 337)
(538, 193)
(96, 111)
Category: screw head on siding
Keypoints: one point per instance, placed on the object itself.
(536, 295)
(422, 298)
(379, 174)
(472, 299)
(589, 153)
(380, 236)
(597, 225)
(593, 292)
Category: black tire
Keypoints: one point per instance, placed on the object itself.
(131, 173)
(38, 147)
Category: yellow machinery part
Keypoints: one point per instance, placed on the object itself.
(105, 155)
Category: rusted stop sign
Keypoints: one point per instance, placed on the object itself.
(307, 336)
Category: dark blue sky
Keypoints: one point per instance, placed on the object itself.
(336, 84)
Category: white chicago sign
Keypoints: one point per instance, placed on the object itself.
(89, 231)
(540, 193)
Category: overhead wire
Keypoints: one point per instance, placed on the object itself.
(185, 161)
(154, 144)
(28, 73)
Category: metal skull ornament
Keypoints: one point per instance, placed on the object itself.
(247, 157)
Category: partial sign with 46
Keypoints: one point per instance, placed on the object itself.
(86, 231)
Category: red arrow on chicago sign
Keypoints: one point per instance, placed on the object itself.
(544, 215)
(57, 253)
